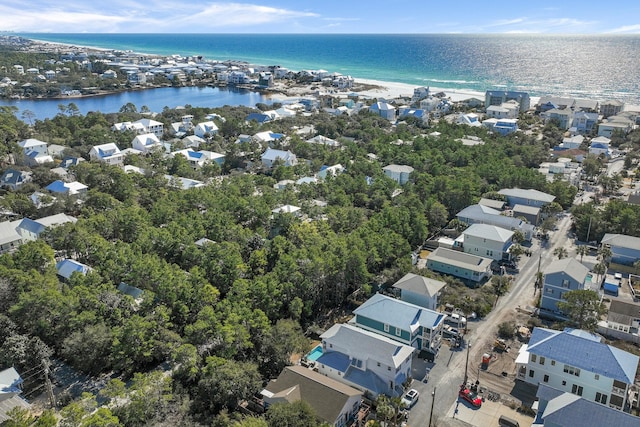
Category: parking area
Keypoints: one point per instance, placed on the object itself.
(487, 415)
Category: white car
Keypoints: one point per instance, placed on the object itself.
(410, 398)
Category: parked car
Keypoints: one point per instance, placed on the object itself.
(470, 396)
(410, 398)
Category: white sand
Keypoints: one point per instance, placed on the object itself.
(395, 90)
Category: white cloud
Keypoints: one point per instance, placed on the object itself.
(628, 29)
(153, 16)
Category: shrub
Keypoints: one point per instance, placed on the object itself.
(507, 330)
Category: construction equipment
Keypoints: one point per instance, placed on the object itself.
(486, 359)
(501, 345)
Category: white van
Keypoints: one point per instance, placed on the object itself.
(455, 318)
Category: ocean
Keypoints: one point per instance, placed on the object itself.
(599, 67)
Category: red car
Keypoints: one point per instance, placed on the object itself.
(470, 397)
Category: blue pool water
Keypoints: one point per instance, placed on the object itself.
(315, 353)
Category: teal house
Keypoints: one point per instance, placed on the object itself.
(407, 323)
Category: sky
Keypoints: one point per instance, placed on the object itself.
(323, 16)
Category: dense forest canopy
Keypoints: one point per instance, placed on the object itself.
(233, 310)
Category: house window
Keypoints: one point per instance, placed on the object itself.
(542, 360)
(378, 364)
(388, 368)
(534, 358)
(553, 363)
(564, 382)
(386, 327)
(576, 389)
(531, 373)
(565, 283)
(571, 370)
(398, 331)
(545, 378)
(597, 377)
(601, 398)
(549, 291)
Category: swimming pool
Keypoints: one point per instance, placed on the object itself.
(315, 353)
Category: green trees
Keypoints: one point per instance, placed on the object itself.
(583, 307)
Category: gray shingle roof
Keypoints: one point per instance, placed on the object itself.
(460, 259)
(489, 232)
(326, 395)
(570, 266)
(419, 284)
(621, 240)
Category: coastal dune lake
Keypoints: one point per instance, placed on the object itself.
(155, 99)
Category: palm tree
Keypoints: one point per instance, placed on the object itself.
(560, 252)
(582, 250)
(599, 269)
(604, 254)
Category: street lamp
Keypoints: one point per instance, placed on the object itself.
(466, 365)
(433, 399)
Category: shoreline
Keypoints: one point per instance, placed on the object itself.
(381, 89)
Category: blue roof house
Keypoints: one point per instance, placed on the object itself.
(365, 360)
(562, 409)
(410, 324)
(14, 179)
(577, 362)
(67, 267)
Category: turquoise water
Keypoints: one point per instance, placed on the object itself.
(587, 66)
(315, 353)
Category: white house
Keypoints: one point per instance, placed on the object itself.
(10, 238)
(398, 173)
(146, 143)
(205, 129)
(198, 159)
(487, 241)
(600, 145)
(577, 362)
(150, 126)
(334, 170)
(271, 155)
(365, 360)
(33, 144)
(108, 153)
(74, 188)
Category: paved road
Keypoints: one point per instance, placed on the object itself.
(449, 369)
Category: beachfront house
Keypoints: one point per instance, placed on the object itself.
(459, 264)
(334, 403)
(578, 362)
(365, 360)
(501, 126)
(506, 110)
(615, 124)
(499, 97)
(561, 276)
(409, 324)
(398, 173)
(611, 108)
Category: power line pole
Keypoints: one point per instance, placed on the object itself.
(48, 385)
(433, 399)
